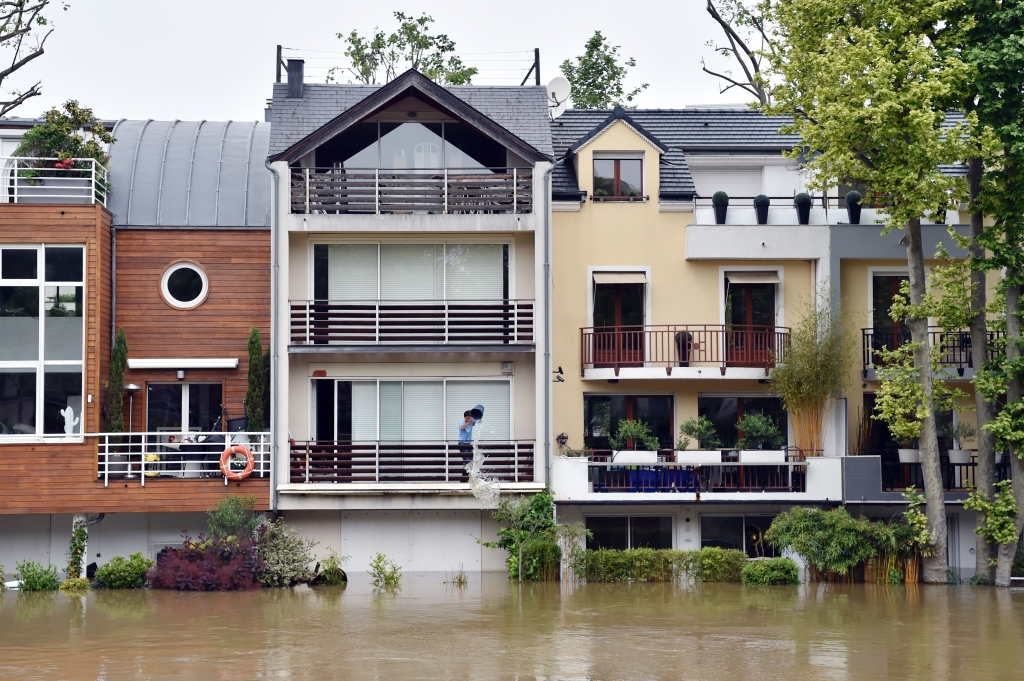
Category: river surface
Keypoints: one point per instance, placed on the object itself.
(494, 630)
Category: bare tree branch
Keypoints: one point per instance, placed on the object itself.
(733, 83)
(22, 34)
(748, 59)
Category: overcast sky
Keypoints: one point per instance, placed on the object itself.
(214, 59)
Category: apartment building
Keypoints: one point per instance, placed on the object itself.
(171, 243)
(667, 307)
(408, 260)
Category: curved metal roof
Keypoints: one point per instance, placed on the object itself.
(190, 174)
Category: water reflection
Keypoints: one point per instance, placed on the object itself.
(492, 629)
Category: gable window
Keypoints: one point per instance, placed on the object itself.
(42, 314)
(618, 178)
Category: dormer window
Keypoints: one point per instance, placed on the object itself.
(618, 178)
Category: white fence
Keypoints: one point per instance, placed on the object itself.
(51, 180)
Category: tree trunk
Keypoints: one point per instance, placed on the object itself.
(984, 552)
(1004, 558)
(520, 565)
(936, 567)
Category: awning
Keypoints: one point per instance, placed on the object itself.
(753, 277)
(184, 363)
(620, 278)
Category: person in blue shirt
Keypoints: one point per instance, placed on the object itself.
(466, 439)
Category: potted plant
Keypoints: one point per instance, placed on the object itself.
(759, 432)
(802, 201)
(908, 451)
(634, 443)
(703, 431)
(962, 433)
(720, 200)
(761, 204)
(853, 200)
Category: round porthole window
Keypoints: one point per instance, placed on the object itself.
(184, 285)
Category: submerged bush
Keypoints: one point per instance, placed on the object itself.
(217, 564)
(540, 560)
(721, 565)
(124, 573)
(284, 553)
(3, 584)
(34, 577)
(384, 572)
(234, 517)
(661, 565)
(331, 573)
(771, 571)
(75, 585)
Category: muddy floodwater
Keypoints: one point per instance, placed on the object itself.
(493, 630)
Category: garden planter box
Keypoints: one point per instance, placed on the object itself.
(960, 456)
(631, 457)
(696, 458)
(910, 455)
(763, 456)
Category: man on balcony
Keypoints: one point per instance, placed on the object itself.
(470, 419)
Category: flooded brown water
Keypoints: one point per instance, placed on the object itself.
(492, 630)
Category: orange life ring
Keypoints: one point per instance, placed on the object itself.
(233, 450)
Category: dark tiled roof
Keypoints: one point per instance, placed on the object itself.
(682, 131)
(523, 111)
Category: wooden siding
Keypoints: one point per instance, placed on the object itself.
(61, 478)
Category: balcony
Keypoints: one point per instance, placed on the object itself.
(687, 351)
(956, 346)
(406, 464)
(434, 191)
(488, 324)
(144, 457)
(41, 180)
(880, 477)
(796, 479)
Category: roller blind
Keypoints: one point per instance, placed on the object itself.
(620, 278)
(739, 182)
(411, 272)
(753, 277)
(494, 395)
(352, 271)
(423, 410)
(475, 271)
(364, 411)
(391, 410)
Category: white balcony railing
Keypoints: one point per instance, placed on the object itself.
(174, 455)
(50, 180)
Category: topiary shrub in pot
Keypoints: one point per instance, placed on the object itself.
(720, 200)
(853, 200)
(761, 204)
(802, 201)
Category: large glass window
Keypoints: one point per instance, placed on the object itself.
(410, 410)
(410, 272)
(629, 532)
(739, 532)
(183, 407)
(602, 413)
(725, 413)
(42, 332)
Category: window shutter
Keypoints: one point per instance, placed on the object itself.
(475, 272)
(423, 411)
(494, 395)
(411, 272)
(364, 411)
(391, 410)
(352, 271)
(736, 182)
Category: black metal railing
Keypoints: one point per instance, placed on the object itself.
(956, 345)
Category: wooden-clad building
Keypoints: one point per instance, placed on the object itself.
(179, 256)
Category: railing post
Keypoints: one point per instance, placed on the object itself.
(16, 162)
(106, 460)
(515, 321)
(307, 462)
(306, 171)
(447, 459)
(376, 190)
(308, 315)
(515, 456)
(446, 191)
(446, 321)
(376, 322)
(142, 462)
(515, 193)
(376, 462)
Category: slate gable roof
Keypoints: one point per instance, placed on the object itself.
(682, 131)
(520, 110)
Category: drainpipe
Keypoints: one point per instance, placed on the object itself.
(113, 287)
(547, 320)
(275, 227)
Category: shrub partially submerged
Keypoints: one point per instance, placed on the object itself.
(661, 565)
(217, 564)
(770, 572)
(540, 560)
(330, 572)
(234, 517)
(285, 555)
(124, 573)
(34, 577)
(75, 585)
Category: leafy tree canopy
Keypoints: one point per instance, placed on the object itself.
(597, 76)
(69, 132)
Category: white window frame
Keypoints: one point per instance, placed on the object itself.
(320, 241)
(180, 304)
(185, 426)
(607, 155)
(311, 426)
(780, 311)
(40, 364)
(648, 288)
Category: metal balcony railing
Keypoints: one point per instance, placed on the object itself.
(173, 455)
(956, 477)
(706, 478)
(411, 322)
(377, 461)
(689, 345)
(51, 180)
(956, 345)
(442, 190)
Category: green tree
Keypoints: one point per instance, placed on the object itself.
(382, 57)
(597, 76)
(69, 132)
(115, 383)
(257, 382)
(523, 519)
(23, 33)
(868, 85)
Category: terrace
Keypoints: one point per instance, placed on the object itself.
(956, 348)
(53, 180)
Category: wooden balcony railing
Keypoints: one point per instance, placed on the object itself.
(956, 345)
(706, 478)
(443, 190)
(691, 345)
(411, 322)
(399, 462)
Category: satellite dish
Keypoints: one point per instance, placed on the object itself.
(558, 96)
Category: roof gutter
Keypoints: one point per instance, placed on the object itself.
(275, 271)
